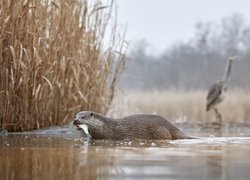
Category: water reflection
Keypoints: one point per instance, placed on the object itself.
(215, 164)
(35, 157)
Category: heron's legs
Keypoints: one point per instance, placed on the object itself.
(218, 116)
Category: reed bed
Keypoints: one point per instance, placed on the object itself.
(53, 61)
(183, 106)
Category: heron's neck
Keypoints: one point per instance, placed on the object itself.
(227, 71)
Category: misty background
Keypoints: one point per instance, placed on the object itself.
(194, 64)
(186, 59)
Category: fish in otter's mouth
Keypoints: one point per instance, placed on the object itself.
(80, 126)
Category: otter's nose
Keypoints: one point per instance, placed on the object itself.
(76, 122)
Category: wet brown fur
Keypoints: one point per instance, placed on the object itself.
(142, 126)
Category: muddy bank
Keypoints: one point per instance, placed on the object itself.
(69, 131)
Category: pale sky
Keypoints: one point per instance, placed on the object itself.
(163, 22)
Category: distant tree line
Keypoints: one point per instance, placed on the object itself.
(197, 63)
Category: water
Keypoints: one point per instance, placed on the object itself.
(50, 156)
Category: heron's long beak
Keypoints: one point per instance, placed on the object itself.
(233, 58)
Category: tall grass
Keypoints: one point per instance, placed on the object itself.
(53, 61)
(184, 106)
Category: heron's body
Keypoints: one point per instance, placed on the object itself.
(216, 95)
(218, 91)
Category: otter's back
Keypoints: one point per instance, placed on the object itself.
(147, 126)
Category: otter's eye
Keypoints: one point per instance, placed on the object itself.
(91, 114)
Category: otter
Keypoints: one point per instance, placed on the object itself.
(141, 126)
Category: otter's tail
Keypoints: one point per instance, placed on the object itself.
(178, 134)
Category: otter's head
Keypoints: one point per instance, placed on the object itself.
(87, 120)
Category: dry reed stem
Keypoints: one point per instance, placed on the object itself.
(53, 62)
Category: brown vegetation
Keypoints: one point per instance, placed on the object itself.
(184, 106)
(53, 62)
